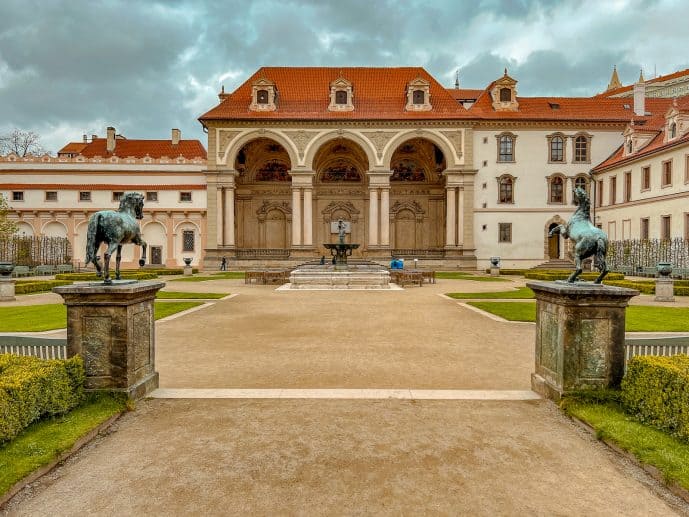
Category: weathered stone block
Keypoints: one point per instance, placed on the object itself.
(113, 329)
(665, 289)
(579, 337)
(7, 290)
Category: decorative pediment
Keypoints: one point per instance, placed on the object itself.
(504, 94)
(636, 138)
(676, 122)
(263, 95)
(418, 95)
(335, 206)
(269, 206)
(412, 206)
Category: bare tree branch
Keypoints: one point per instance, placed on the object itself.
(21, 143)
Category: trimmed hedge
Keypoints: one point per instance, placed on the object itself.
(647, 287)
(545, 274)
(656, 391)
(127, 275)
(31, 388)
(512, 271)
(38, 286)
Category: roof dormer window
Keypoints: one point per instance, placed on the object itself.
(673, 130)
(630, 146)
(263, 95)
(504, 94)
(418, 95)
(341, 95)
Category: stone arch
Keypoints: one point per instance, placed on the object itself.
(229, 155)
(553, 246)
(440, 141)
(25, 228)
(263, 160)
(178, 239)
(54, 229)
(155, 235)
(317, 143)
(340, 160)
(417, 160)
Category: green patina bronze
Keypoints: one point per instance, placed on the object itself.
(589, 241)
(115, 228)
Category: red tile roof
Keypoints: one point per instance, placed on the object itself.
(125, 148)
(660, 78)
(304, 94)
(464, 93)
(73, 148)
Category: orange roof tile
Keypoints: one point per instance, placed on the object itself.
(72, 148)
(660, 78)
(304, 94)
(125, 148)
(464, 93)
(96, 186)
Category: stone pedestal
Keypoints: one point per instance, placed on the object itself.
(494, 271)
(6, 289)
(665, 289)
(112, 328)
(188, 271)
(579, 337)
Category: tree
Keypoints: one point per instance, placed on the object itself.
(7, 227)
(21, 143)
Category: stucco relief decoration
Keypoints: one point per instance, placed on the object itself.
(340, 170)
(407, 170)
(413, 206)
(269, 206)
(455, 137)
(224, 140)
(380, 140)
(301, 139)
(273, 170)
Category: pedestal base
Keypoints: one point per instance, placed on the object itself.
(579, 337)
(188, 271)
(494, 271)
(112, 328)
(665, 289)
(7, 290)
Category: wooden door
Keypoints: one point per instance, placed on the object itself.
(156, 255)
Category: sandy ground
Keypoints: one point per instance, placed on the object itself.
(225, 457)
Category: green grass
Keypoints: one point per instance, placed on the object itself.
(462, 275)
(174, 295)
(521, 293)
(649, 445)
(226, 275)
(37, 318)
(640, 318)
(42, 441)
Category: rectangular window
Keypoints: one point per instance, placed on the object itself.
(613, 190)
(644, 228)
(627, 187)
(185, 197)
(665, 227)
(667, 173)
(117, 196)
(686, 226)
(646, 178)
(599, 193)
(84, 196)
(686, 169)
(505, 149)
(557, 149)
(504, 232)
(581, 149)
(188, 240)
(152, 196)
(51, 195)
(17, 196)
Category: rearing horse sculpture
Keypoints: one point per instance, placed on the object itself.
(588, 240)
(115, 229)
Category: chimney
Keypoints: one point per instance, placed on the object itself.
(639, 99)
(176, 135)
(93, 137)
(110, 144)
(85, 139)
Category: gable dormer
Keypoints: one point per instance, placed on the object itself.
(341, 95)
(263, 95)
(504, 94)
(636, 138)
(418, 95)
(676, 123)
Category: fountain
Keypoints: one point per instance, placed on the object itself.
(339, 274)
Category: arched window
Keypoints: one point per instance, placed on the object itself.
(580, 182)
(341, 97)
(673, 130)
(505, 95)
(418, 97)
(581, 149)
(506, 148)
(506, 189)
(557, 149)
(262, 97)
(557, 190)
(630, 146)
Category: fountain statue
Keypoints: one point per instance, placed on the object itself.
(341, 250)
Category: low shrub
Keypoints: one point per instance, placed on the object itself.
(510, 271)
(127, 275)
(656, 391)
(544, 274)
(31, 388)
(642, 287)
(38, 286)
(160, 271)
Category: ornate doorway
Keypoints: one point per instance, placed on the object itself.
(553, 243)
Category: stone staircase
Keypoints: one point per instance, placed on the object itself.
(556, 264)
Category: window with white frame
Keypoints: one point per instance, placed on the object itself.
(582, 149)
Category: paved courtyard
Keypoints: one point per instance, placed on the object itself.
(339, 456)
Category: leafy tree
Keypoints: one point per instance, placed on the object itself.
(21, 143)
(7, 227)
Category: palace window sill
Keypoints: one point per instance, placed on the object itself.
(668, 185)
(646, 189)
(506, 161)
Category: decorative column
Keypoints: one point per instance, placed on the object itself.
(308, 216)
(229, 213)
(219, 214)
(385, 216)
(450, 217)
(296, 216)
(372, 216)
(460, 217)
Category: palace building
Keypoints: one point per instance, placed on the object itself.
(448, 176)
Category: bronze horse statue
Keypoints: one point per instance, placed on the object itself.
(589, 241)
(115, 228)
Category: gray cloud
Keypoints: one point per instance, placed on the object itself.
(71, 67)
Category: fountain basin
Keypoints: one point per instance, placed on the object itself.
(332, 277)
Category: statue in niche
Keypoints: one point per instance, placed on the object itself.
(273, 171)
(407, 170)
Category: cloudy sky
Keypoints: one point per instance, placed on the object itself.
(76, 66)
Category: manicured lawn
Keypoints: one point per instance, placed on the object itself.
(41, 442)
(37, 318)
(640, 318)
(227, 275)
(174, 295)
(649, 445)
(461, 275)
(521, 293)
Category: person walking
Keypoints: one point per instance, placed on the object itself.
(223, 264)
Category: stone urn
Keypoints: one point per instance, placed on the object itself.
(6, 269)
(494, 261)
(664, 269)
(187, 261)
